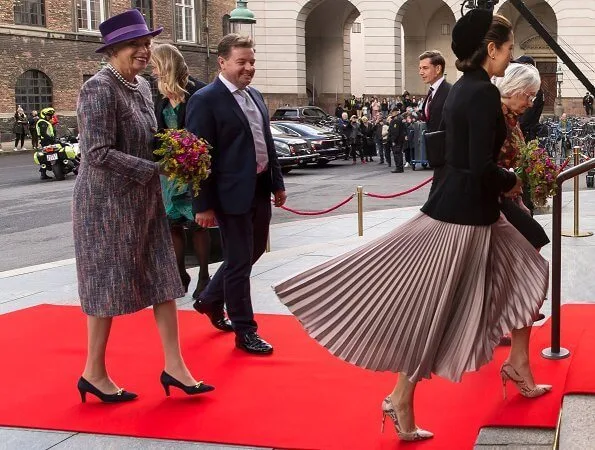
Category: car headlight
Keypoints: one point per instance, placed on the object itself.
(282, 146)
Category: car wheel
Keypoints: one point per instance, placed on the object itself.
(424, 165)
(285, 170)
(322, 162)
(412, 166)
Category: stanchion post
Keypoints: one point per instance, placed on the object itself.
(360, 210)
(576, 228)
(268, 248)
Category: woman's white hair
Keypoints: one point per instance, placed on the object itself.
(518, 78)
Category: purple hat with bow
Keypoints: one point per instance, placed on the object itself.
(124, 27)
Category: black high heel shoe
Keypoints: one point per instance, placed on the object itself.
(185, 276)
(200, 388)
(85, 387)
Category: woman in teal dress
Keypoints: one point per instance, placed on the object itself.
(176, 87)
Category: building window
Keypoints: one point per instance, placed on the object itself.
(445, 29)
(29, 12)
(356, 27)
(185, 20)
(33, 91)
(90, 13)
(226, 25)
(146, 9)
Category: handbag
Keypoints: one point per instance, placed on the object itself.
(436, 147)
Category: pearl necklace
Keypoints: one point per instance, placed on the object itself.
(128, 84)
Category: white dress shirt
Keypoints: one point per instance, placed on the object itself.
(434, 87)
(255, 119)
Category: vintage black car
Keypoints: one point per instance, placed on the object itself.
(327, 144)
(292, 152)
(305, 114)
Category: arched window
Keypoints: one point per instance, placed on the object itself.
(226, 25)
(29, 12)
(33, 91)
(146, 9)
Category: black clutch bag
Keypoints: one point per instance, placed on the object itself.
(436, 148)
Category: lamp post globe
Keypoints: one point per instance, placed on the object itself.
(242, 20)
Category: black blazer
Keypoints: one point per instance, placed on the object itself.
(192, 86)
(214, 114)
(436, 107)
(472, 182)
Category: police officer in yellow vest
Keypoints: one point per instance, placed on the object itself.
(45, 131)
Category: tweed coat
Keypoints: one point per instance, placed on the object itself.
(124, 253)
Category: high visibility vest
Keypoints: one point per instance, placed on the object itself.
(50, 128)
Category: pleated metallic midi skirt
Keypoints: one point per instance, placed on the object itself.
(430, 297)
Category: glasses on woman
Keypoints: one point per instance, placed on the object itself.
(530, 98)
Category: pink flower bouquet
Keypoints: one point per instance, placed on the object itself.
(538, 171)
(184, 158)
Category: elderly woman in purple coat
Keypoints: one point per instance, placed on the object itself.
(124, 253)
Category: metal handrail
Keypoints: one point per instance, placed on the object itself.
(555, 352)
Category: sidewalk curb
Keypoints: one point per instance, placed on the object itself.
(37, 268)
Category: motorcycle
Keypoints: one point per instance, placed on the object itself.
(61, 158)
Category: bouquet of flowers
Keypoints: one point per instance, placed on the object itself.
(538, 171)
(184, 158)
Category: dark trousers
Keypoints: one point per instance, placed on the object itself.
(244, 239)
(589, 110)
(387, 152)
(357, 149)
(408, 151)
(398, 156)
(34, 138)
(19, 137)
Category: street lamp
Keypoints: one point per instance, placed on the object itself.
(242, 20)
(559, 109)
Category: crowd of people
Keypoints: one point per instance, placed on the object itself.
(476, 289)
(28, 126)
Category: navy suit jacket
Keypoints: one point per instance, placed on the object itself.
(214, 115)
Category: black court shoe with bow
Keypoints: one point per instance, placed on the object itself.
(200, 388)
(85, 387)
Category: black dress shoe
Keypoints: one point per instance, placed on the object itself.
(85, 387)
(200, 286)
(200, 388)
(217, 318)
(253, 343)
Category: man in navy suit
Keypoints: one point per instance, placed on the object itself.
(233, 118)
(431, 71)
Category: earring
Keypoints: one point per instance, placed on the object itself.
(493, 57)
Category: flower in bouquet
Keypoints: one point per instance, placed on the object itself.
(185, 158)
(538, 171)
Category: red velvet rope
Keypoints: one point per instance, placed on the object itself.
(399, 194)
(319, 213)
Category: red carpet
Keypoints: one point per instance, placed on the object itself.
(300, 398)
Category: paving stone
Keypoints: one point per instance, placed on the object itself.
(102, 442)
(19, 439)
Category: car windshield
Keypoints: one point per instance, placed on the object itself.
(306, 129)
(285, 113)
(276, 131)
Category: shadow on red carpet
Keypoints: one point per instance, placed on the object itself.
(299, 398)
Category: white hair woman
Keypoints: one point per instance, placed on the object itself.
(518, 88)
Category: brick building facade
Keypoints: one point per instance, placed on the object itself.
(47, 47)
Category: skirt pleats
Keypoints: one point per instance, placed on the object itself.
(428, 297)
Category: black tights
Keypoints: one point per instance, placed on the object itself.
(201, 243)
(19, 137)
